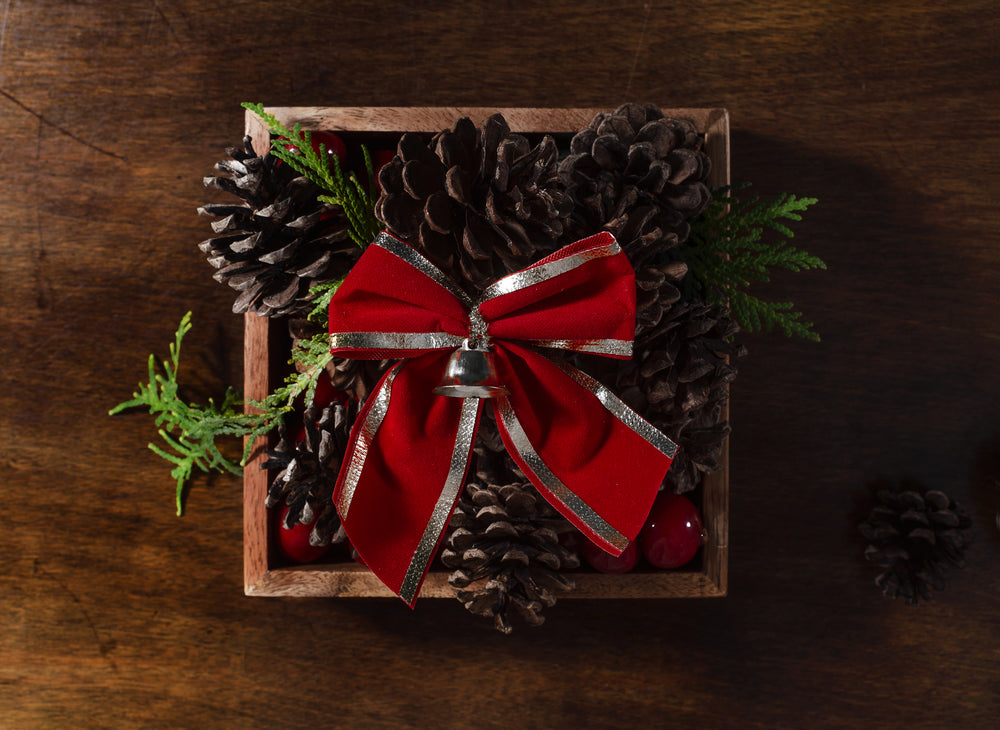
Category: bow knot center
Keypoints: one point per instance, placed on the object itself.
(478, 338)
(471, 369)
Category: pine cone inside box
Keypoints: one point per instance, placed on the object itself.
(279, 241)
(482, 200)
(507, 539)
(478, 203)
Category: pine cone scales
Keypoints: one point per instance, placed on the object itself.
(509, 537)
(279, 241)
(307, 472)
(915, 538)
(480, 204)
(641, 176)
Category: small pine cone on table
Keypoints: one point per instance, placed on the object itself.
(915, 538)
(641, 176)
(478, 203)
(505, 552)
(307, 471)
(279, 240)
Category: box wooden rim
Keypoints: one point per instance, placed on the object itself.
(354, 580)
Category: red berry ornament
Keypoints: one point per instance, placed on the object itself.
(606, 562)
(326, 394)
(294, 543)
(673, 531)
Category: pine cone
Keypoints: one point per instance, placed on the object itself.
(641, 176)
(478, 204)
(308, 471)
(915, 538)
(677, 380)
(279, 241)
(507, 536)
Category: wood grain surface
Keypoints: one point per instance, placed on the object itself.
(115, 613)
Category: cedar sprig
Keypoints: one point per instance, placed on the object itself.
(339, 189)
(309, 358)
(320, 295)
(727, 251)
(190, 431)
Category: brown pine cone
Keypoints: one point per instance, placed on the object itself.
(279, 241)
(505, 551)
(307, 471)
(479, 204)
(915, 538)
(641, 176)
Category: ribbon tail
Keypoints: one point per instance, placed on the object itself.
(593, 458)
(403, 473)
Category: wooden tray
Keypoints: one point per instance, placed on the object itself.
(265, 353)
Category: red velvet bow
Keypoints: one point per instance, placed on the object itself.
(594, 459)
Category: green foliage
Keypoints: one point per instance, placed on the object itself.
(309, 358)
(190, 431)
(339, 189)
(321, 294)
(727, 251)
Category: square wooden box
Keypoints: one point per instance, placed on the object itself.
(265, 353)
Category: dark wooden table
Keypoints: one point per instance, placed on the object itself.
(115, 613)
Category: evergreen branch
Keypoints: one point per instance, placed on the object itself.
(370, 169)
(189, 430)
(321, 294)
(339, 189)
(309, 360)
(727, 252)
(750, 313)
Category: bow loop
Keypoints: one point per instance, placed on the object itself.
(395, 303)
(577, 298)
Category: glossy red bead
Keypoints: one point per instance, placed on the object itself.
(606, 562)
(673, 531)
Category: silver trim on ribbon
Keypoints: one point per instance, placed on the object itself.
(395, 340)
(622, 348)
(543, 272)
(446, 500)
(376, 414)
(411, 256)
(617, 408)
(541, 471)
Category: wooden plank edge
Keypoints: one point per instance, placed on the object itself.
(256, 385)
(434, 119)
(356, 581)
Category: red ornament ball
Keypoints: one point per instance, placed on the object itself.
(606, 562)
(673, 531)
(294, 543)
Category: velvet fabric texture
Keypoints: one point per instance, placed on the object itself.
(410, 448)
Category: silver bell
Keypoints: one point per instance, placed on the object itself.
(471, 374)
